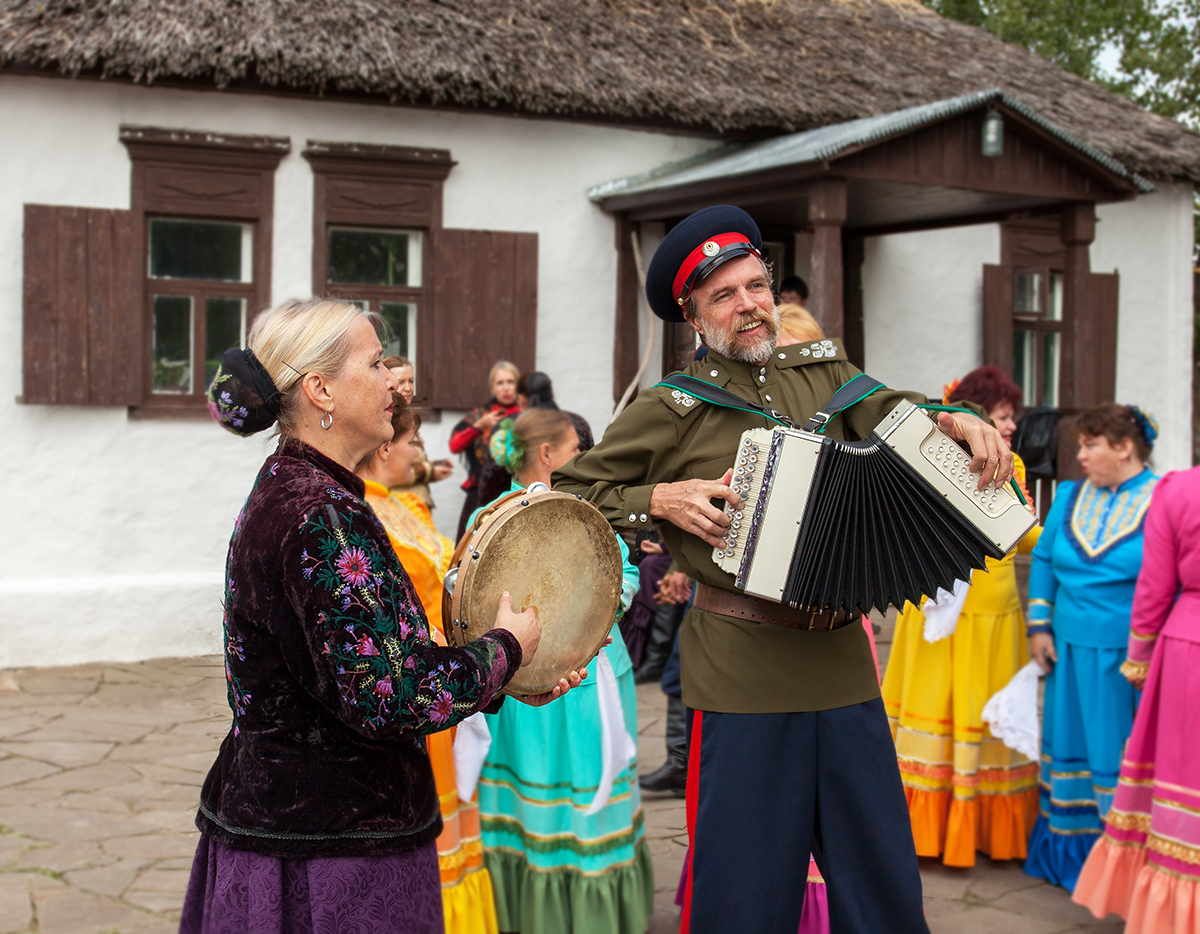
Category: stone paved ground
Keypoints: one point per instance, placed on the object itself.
(100, 767)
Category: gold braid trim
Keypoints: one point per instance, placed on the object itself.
(1173, 849)
(1123, 821)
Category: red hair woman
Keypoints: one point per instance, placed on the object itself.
(966, 790)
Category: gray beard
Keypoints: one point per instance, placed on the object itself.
(726, 344)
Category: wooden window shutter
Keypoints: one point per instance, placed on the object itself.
(82, 315)
(484, 309)
(998, 317)
(1105, 287)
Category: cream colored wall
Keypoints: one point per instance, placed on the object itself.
(116, 530)
(923, 296)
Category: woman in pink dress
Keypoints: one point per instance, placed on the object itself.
(1146, 867)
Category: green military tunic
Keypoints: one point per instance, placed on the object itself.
(731, 665)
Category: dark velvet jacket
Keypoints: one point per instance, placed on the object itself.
(333, 678)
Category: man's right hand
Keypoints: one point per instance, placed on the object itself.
(687, 505)
(524, 626)
(673, 588)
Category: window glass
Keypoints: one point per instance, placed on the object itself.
(1050, 355)
(183, 249)
(1024, 350)
(1054, 300)
(1027, 293)
(172, 344)
(399, 335)
(224, 327)
(375, 257)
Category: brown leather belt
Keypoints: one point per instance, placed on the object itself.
(757, 610)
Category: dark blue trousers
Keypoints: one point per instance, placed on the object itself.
(765, 789)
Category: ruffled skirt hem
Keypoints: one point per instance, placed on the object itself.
(996, 825)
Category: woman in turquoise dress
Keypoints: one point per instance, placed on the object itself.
(564, 856)
(1080, 598)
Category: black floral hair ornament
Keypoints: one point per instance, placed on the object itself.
(243, 397)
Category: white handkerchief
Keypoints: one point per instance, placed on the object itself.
(471, 745)
(617, 747)
(941, 615)
(1012, 713)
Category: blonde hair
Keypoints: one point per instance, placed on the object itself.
(300, 336)
(502, 365)
(799, 324)
(515, 440)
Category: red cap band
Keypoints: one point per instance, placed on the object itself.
(701, 260)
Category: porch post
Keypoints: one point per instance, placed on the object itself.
(1079, 381)
(827, 213)
(625, 336)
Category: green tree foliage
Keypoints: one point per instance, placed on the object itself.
(1156, 41)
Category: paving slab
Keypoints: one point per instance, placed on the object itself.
(100, 774)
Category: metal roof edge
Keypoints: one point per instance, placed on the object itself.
(909, 119)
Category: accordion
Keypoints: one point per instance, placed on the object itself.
(828, 524)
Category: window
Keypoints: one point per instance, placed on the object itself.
(201, 282)
(204, 202)
(380, 270)
(1037, 334)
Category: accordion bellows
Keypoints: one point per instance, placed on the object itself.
(829, 524)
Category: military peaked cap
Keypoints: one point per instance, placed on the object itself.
(692, 250)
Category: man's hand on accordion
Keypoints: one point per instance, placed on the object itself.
(991, 456)
(688, 505)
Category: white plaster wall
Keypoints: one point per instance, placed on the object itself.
(923, 314)
(923, 305)
(1149, 242)
(115, 530)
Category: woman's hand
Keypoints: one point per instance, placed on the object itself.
(990, 453)
(1041, 647)
(489, 421)
(524, 626)
(573, 680)
(673, 588)
(688, 504)
(441, 470)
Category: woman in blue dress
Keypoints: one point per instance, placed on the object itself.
(1080, 597)
(563, 836)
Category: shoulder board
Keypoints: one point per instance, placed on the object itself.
(823, 351)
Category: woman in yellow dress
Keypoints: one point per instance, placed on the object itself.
(966, 790)
(467, 898)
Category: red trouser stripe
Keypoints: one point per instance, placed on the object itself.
(693, 797)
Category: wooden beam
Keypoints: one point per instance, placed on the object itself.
(827, 214)
(1080, 379)
(625, 336)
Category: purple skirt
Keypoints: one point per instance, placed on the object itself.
(238, 892)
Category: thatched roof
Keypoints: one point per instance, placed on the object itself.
(734, 67)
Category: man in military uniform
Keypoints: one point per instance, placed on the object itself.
(790, 747)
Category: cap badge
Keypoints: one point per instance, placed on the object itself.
(711, 248)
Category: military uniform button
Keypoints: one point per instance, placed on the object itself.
(762, 379)
(642, 517)
(783, 356)
(712, 373)
(768, 398)
(633, 517)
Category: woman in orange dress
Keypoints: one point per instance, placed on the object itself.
(467, 899)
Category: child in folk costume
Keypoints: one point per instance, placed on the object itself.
(1081, 589)
(566, 856)
(1146, 867)
(467, 900)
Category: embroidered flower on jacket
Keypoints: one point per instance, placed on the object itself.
(366, 646)
(383, 687)
(443, 707)
(354, 566)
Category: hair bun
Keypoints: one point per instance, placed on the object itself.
(506, 446)
(1147, 424)
(243, 397)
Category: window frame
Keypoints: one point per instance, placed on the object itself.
(375, 187)
(1040, 325)
(186, 175)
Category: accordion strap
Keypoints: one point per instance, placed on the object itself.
(848, 394)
